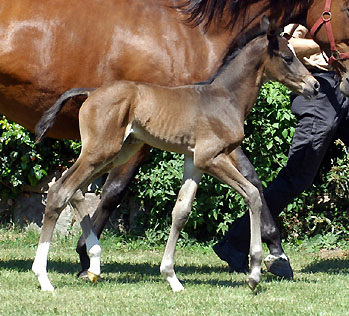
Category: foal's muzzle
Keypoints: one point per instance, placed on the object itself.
(311, 87)
(344, 85)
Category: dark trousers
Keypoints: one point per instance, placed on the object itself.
(321, 120)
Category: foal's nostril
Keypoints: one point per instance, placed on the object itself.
(316, 86)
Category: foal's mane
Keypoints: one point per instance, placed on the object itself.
(206, 11)
(232, 54)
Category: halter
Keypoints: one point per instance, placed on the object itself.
(326, 18)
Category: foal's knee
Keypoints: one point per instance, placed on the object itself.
(56, 201)
(179, 218)
(254, 199)
(181, 211)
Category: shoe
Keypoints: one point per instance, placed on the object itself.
(237, 261)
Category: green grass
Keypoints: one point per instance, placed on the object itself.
(132, 284)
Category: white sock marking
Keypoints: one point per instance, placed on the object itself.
(39, 266)
(94, 249)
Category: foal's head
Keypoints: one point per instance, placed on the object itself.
(282, 65)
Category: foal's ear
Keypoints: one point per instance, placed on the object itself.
(265, 23)
(272, 32)
(268, 27)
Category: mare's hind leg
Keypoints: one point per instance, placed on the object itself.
(222, 167)
(58, 196)
(180, 213)
(276, 262)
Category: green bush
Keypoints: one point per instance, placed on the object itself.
(24, 163)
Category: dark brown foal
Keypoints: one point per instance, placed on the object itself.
(204, 122)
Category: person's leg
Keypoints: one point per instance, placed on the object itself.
(317, 123)
(319, 120)
(343, 128)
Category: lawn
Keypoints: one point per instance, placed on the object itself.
(132, 285)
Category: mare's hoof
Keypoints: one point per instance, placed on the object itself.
(279, 266)
(92, 277)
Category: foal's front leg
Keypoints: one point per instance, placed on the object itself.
(277, 261)
(222, 167)
(180, 213)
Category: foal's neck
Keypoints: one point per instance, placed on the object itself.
(244, 72)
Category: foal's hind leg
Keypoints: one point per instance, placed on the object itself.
(78, 202)
(58, 196)
(180, 213)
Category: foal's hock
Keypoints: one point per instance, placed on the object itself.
(205, 122)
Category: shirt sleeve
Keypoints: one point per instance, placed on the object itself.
(296, 30)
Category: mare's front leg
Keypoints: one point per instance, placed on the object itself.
(222, 167)
(180, 213)
(277, 261)
(113, 191)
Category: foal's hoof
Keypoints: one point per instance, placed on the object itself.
(92, 277)
(280, 266)
(252, 283)
(82, 275)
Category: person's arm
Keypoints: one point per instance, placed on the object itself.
(304, 47)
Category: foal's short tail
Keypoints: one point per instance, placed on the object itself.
(48, 118)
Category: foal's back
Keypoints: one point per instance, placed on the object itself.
(162, 117)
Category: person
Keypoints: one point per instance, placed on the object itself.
(320, 121)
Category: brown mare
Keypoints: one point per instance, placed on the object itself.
(205, 122)
(48, 48)
(304, 12)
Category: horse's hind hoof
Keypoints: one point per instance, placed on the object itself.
(252, 283)
(92, 277)
(279, 266)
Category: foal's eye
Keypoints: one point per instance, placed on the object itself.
(288, 59)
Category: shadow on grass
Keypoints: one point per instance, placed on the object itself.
(146, 272)
(132, 273)
(20, 265)
(127, 272)
(152, 269)
(329, 266)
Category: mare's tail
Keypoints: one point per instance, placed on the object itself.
(48, 118)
